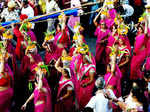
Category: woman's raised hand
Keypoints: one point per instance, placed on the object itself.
(24, 107)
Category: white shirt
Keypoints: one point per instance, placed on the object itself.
(12, 15)
(51, 6)
(99, 103)
(75, 3)
(29, 12)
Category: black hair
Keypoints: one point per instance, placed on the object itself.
(138, 92)
(67, 49)
(140, 26)
(67, 72)
(87, 109)
(147, 74)
(25, 2)
(120, 9)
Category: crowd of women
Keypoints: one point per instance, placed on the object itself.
(68, 77)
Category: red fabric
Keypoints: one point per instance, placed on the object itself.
(138, 2)
(5, 101)
(67, 104)
(19, 39)
(4, 79)
(23, 17)
(71, 51)
(64, 38)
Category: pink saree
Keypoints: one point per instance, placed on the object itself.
(39, 95)
(6, 95)
(65, 105)
(73, 20)
(100, 48)
(121, 58)
(55, 53)
(138, 57)
(5, 101)
(62, 38)
(84, 94)
(114, 81)
(32, 35)
(147, 66)
(26, 64)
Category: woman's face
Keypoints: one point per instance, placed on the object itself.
(10, 9)
(140, 30)
(103, 25)
(64, 53)
(58, 28)
(148, 10)
(120, 41)
(37, 79)
(64, 73)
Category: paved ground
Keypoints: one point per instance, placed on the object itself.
(91, 41)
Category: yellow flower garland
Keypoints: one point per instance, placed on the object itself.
(50, 37)
(83, 49)
(7, 35)
(68, 58)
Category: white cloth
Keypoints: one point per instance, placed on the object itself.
(76, 3)
(148, 18)
(124, 1)
(29, 12)
(128, 10)
(132, 104)
(12, 15)
(149, 86)
(99, 103)
(51, 6)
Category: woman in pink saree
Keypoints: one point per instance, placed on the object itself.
(30, 61)
(113, 75)
(110, 18)
(7, 37)
(6, 83)
(102, 34)
(85, 81)
(139, 54)
(52, 50)
(41, 95)
(62, 37)
(123, 57)
(65, 95)
(18, 32)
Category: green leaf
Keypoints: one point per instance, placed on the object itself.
(30, 87)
